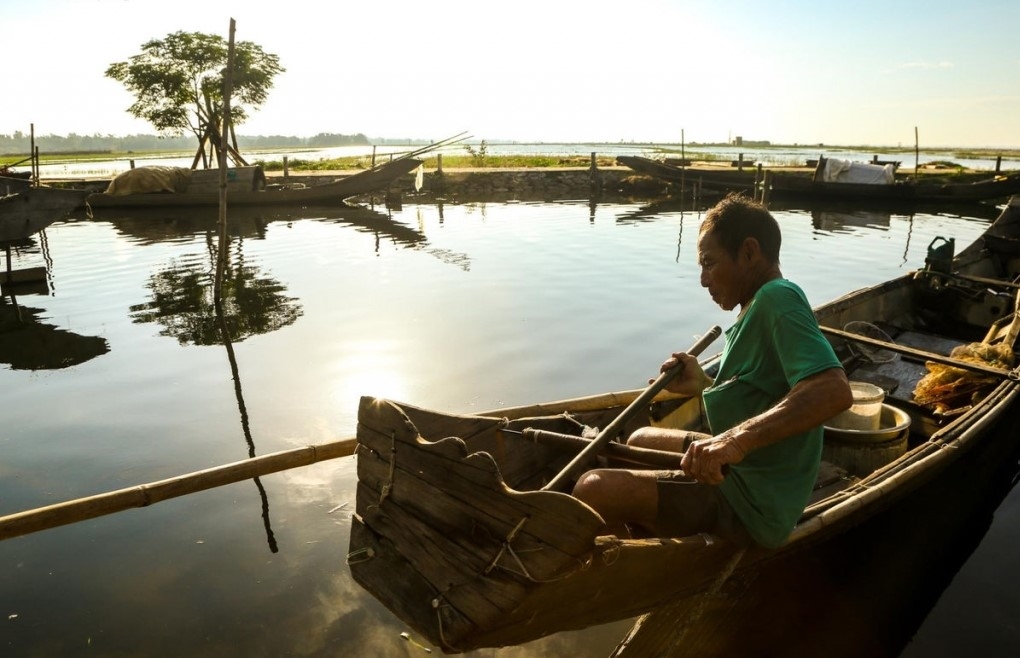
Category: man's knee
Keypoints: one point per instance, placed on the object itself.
(591, 486)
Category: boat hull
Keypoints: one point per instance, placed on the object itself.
(785, 185)
(336, 192)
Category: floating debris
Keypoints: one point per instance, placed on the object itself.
(407, 636)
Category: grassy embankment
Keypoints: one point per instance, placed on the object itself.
(477, 157)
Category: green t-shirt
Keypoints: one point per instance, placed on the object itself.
(774, 344)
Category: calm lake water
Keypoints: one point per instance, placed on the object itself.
(457, 307)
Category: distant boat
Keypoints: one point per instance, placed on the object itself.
(178, 187)
(464, 530)
(711, 178)
(883, 185)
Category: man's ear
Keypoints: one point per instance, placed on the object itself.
(750, 249)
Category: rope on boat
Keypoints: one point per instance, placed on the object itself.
(437, 605)
(360, 555)
(706, 596)
(506, 547)
(384, 492)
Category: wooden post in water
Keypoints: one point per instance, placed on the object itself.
(221, 255)
(766, 187)
(998, 164)
(373, 156)
(286, 168)
(33, 154)
(439, 178)
(917, 153)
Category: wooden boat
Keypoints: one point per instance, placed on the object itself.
(787, 185)
(12, 182)
(34, 208)
(251, 192)
(714, 178)
(459, 534)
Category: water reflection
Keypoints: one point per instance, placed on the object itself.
(558, 307)
(26, 341)
(242, 408)
(182, 302)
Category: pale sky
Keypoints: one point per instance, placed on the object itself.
(857, 72)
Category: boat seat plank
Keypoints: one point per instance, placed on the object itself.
(922, 354)
(928, 343)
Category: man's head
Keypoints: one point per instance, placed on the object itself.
(737, 218)
(738, 250)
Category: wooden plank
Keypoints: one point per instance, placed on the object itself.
(398, 586)
(480, 518)
(916, 353)
(23, 275)
(447, 463)
(456, 574)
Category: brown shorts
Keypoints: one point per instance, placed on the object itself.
(687, 507)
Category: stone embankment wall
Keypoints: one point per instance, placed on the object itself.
(528, 184)
(547, 184)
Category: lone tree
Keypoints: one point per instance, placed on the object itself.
(178, 84)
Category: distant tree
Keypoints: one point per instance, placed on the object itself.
(178, 82)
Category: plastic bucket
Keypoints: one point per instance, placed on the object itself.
(866, 412)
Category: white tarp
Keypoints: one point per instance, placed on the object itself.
(845, 171)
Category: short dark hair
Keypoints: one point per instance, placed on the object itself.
(736, 218)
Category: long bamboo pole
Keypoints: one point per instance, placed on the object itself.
(81, 509)
(614, 428)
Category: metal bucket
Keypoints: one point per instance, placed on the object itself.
(862, 451)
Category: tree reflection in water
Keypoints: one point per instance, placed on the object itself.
(184, 302)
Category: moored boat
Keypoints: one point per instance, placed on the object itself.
(32, 209)
(176, 189)
(878, 183)
(708, 178)
(457, 532)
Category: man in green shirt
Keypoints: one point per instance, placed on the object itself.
(778, 381)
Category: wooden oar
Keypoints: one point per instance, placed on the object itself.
(614, 428)
(621, 451)
(81, 509)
